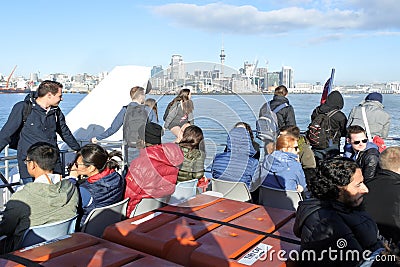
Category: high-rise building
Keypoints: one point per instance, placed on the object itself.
(287, 77)
(177, 68)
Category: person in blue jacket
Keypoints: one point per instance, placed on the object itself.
(43, 123)
(237, 164)
(281, 169)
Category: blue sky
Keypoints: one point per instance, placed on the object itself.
(359, 38)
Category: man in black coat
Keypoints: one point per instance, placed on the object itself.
(281, 107)
(333, 223)
(383, 200)
(365, 153)
(42, 124)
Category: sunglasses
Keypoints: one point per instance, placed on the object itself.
(79, 164)
(359, 141)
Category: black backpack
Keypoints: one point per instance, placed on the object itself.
(27, 110)
(15, 136)
(319, 131)
(135, 117)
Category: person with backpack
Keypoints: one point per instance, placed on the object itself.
(179, 112)
(328, 125)
(281, 107)
(131, 117)
(37, 119)
(370, 115)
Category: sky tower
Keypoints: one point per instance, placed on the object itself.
(222, 57)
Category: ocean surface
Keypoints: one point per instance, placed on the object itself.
(217, 114)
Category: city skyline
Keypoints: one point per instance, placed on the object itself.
(358, 38)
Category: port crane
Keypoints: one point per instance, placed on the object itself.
(9, 76)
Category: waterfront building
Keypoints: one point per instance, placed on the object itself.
(287, 76)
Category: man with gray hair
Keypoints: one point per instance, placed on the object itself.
(383, 200)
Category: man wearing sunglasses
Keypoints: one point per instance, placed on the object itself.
(365, 153)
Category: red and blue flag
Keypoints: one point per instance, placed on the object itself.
(327, 87)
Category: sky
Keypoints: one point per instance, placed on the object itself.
(359, 38)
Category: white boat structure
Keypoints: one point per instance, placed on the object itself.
(98, 109)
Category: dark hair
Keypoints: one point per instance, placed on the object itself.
(291, 129)
(192, 138)
(281, 90)
(48, 86)
(96, 155)
(183, 96)
(354, 129)
(248, 128)
(330, 175)
(44, 155)
(152, 103)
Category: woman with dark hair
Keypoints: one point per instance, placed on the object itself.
(179, 112)
(152, 103)
(192, 145)
(101, 185)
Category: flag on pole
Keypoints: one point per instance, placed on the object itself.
(327, 87)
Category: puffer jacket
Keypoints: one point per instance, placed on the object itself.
(286, 115)
(378, 119)
(105, 188)
(324, 225)
(193, 165)
(237, 164)
(281, 170)
(338, 120)
(153, 174)
(367, 160)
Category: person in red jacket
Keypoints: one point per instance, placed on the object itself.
(154, 173)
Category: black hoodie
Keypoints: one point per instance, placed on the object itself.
(338, 120)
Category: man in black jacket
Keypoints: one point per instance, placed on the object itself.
(365, 153)
(383, 200)
(333, 228)
(43, 122)
(281, 107)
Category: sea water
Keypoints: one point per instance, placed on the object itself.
(217, 114)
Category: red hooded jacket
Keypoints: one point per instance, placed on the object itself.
(153, 174)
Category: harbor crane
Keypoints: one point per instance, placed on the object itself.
(9, 76)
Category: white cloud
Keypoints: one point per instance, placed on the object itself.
(326, 16)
